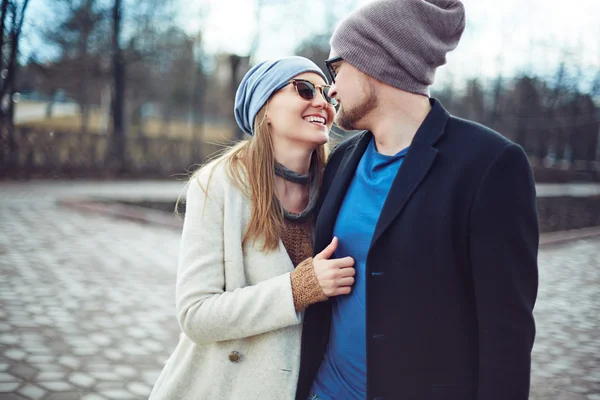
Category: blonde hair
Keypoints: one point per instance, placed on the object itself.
(250, 166)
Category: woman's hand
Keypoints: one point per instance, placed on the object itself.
(336, 276)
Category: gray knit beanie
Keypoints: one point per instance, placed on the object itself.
(401, 42)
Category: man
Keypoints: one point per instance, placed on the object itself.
(439, 215)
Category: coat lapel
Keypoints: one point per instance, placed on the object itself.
(417, 163)
(336, 193)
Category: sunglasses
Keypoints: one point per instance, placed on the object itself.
(308, 90)
(330, 67)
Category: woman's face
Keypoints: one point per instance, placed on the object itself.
(297, 121)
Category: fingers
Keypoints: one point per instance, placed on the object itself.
(345, 262)
(342, 291)
(346, 282)
(334, 281)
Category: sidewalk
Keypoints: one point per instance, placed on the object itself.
(87, 301)
(170, 189)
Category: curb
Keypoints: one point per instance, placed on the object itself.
(124, 211)
(148, 216)
(553, 238)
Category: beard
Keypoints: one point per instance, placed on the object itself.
(348, 119)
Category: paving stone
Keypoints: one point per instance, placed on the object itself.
(105, 376)
(40, 359)
(100, 339)
(113, 355)
(82, 380)
(139, 389)
(64, 396)
(49, 367)
(99, 367)
(9, 339)
(134, 350)
(106, 385)
(117, 394)
(57, 386)
(85, 351)
(125, 371)
(6, 377)
(12, 396)
(93, 396)
(15, 354)
(24, 371)
(51, 376)
(70, 362)
(37, 350)
(153, 345)
(32, 392)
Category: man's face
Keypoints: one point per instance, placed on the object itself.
(355, 93)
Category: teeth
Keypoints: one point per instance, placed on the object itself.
(319, 120)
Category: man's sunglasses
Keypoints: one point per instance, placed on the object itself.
(308, 90)
(330, 67)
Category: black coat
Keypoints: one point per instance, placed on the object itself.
(451, 272)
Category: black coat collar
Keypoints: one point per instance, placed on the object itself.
(416, 164)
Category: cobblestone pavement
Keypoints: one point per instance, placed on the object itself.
(86, 304)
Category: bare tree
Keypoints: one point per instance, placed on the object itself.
(80, 37)
(16, 12)
(116, 149)
(12, 15)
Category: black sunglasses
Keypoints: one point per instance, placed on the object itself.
(308, 90)
(330, 68)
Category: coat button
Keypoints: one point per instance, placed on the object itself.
(234, 356)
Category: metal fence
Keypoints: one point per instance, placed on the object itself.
(27, 153)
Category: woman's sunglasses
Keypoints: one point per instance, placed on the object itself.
(307, 90)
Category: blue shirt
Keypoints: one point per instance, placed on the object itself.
(343, 372)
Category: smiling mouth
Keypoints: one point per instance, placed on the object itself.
(315, 120)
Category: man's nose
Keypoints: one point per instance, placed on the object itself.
(332, 90)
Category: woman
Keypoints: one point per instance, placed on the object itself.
(248, 223)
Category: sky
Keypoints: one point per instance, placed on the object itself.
(502, 36)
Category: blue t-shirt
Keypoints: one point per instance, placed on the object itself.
(343, 372)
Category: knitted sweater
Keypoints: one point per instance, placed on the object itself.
(297, 239)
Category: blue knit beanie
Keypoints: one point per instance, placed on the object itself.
(262, 81)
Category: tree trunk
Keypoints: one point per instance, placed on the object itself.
(234, 63)
(3, 128)
(83, 82)
(3, 11)
(117, 151)
(9, 88)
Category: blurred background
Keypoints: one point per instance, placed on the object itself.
(105, 105)
(145, 88)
